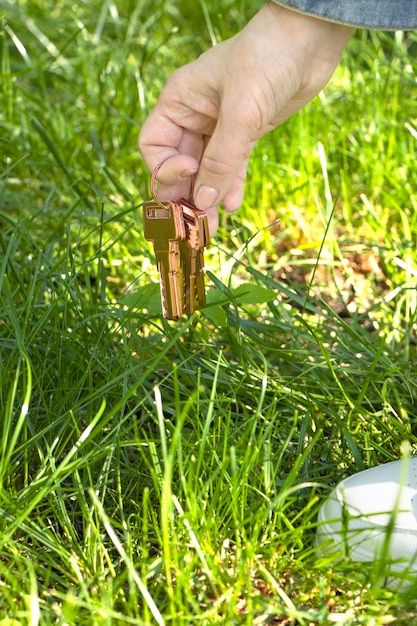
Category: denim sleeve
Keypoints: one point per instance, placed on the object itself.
(380, 14)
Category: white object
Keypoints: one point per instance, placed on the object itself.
(372, 516)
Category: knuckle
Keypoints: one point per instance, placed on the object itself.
(216, 166)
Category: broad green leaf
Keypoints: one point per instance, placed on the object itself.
(146, 298)
(213, 309)
(252, 294)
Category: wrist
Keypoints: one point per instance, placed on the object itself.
(314, 45)
(306, 28)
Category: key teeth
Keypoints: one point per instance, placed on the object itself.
(192, 258)
(172, 308)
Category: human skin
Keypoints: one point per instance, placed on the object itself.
(211, 112)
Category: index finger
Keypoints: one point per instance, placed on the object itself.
(163, 141)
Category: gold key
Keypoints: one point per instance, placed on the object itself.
(164, 226)
(192, 256)
(179, 233)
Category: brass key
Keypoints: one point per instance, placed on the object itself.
(192, 256)
(164, 226)
(179, 232)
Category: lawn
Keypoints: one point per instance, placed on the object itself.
(156, 472)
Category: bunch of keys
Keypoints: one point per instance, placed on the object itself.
(179, 233)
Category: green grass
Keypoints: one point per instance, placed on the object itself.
(155, 472)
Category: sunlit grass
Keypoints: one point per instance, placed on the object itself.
(154, 472)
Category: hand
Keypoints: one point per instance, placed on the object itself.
(212, 111)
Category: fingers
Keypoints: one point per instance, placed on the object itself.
(233, 199)
(177, 169)
(223, 167)
(175, 176)
(192, 135)
(163, 141)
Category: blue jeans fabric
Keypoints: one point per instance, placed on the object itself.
(380, 14)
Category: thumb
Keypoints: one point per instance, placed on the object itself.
(223, 166)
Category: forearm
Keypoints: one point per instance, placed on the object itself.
(377, 14)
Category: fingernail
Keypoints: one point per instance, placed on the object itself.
(206, 197)
(186, 174)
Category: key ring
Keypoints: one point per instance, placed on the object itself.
(153, 180)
